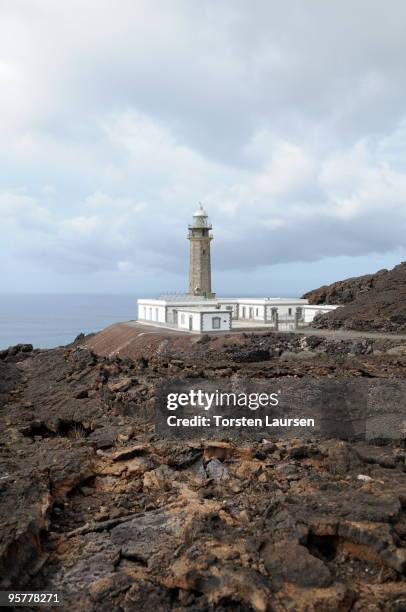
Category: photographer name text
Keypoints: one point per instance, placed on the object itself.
(207, 401)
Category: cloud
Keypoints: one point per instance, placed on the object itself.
(350, 203)
(116, 123)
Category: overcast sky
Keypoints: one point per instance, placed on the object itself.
(287, 119)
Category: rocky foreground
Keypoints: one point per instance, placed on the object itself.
(371, 302)
(95, 506)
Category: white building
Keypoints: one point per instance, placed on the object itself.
(311, 310)
(204, 319)
(200, 311)
(275, 313)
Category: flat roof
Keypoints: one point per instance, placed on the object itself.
(158, 302)
(214, 301)
(323, 306)
(201, 309)
(268, 301)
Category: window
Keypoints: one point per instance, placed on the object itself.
(290, 312)
(257, 312)
(216, 322)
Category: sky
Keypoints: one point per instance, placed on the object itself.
(286, 119)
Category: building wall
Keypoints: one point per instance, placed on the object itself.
(225, 321)
(285, 311)
(232, 307)
(203, 321)
(183, 320)
(151, 312)
(261, 310)
(311, 311)
(252, 311)
(171, 314)
(200, 263)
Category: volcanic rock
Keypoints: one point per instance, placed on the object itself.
(371, 302)
(97, 506)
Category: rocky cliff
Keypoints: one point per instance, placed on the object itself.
(371, 302)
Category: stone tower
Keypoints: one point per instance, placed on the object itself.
(199, 261)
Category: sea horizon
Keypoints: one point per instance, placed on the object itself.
(47, 320)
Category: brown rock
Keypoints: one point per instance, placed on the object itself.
(371, 302)
(130, 452)
(287, 561)
(121, 385)
(217, 450)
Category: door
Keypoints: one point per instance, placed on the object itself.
(190, 323)
(216, 322)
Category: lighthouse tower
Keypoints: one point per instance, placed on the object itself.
(199, 261)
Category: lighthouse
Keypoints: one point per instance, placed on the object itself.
(200, 311)
(200, 238)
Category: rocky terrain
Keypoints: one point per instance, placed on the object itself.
(371, 302)
(94, 505)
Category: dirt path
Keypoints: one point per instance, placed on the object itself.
(349, 334)
(329, 333)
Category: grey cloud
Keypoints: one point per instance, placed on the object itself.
(217, 73)
(287, 118)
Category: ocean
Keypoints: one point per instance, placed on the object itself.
(46, 321)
